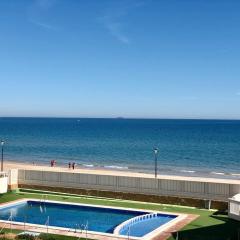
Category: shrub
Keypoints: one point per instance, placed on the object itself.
(25, 237)
(45, 236)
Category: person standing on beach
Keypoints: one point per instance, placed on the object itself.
(73, 165)
(69, 165)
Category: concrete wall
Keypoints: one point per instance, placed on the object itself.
(3, 183)
(12, 179)
(148, 186)
(234, 209)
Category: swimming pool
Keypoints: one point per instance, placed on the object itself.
(72, 216)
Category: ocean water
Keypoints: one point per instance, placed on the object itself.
(186, 147)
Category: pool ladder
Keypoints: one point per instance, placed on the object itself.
(10, 222)
(47, 223)
(44, 198)
(84, 228)
(80, 228)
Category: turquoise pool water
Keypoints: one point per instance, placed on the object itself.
(78, 217)
(145, 224)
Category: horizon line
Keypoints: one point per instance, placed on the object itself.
(123, 118)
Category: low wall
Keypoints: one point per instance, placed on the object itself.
(13, 179)
(3, 182)
(234, 209)
(185, 188)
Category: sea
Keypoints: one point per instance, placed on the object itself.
(186, 147)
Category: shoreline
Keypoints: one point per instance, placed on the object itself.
(195, 149)
(164, 170)
(8, 165)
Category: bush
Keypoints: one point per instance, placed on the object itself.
(44, 236)
(7, 236)
(25, 237)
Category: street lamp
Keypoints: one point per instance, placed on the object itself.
(155, 155)
(2, 144)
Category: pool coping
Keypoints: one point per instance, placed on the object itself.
(162, 232)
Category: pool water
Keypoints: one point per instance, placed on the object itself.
(145, 226)
(68, 216)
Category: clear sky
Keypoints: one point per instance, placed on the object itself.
(129, 58)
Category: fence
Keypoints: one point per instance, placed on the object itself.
(185, 187)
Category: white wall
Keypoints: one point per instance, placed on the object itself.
(151, 186)
(234, 209)
(13, 177)
(3, 183)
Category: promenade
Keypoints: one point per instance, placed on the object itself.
(112, 172)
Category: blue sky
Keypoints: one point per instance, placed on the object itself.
(130, 58)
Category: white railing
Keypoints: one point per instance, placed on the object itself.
(44, 198)
(80, 229)
(9, 221)
(86, 229)
(47, 223)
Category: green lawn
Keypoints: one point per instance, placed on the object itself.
(209, 226)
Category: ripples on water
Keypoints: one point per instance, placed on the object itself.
(185, 146)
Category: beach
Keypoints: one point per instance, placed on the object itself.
(109, 172)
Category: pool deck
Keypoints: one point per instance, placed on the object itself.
(164, 234)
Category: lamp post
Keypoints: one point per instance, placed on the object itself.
(155, 159)
(2, 144)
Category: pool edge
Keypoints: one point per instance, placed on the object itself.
(158, 232)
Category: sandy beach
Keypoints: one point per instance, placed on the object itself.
(79, 169)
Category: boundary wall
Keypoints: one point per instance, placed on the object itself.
(206, 189)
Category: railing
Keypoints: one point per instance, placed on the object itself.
(9, 221)
(80, 228)
(47, 223)
(86, 229)
(42, 206)
(25, 220)
(44, 198)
